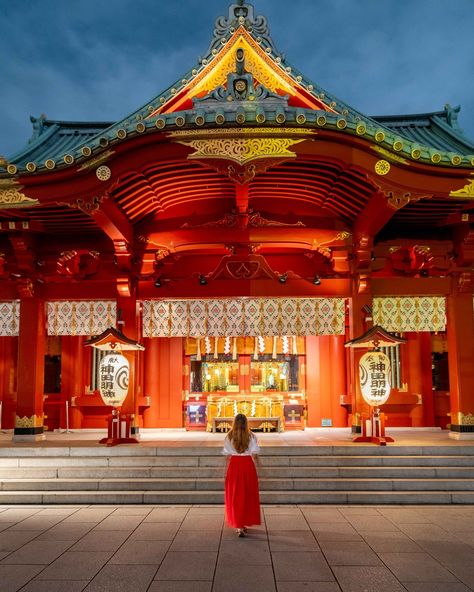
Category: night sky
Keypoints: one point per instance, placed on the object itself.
(87, 60)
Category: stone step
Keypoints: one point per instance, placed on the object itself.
(218, 484)
(286, 472)
(217, 497)
(145, 450)
(142, 463)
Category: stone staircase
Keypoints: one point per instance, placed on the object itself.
(195, 475)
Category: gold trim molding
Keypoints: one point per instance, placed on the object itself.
(34, 421)
(239, 132)
(242, 150)
(98, 160)
(466, 191)
(389, 155)
(461, 418)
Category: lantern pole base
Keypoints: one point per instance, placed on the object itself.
(374, 440)
(118, 430)
(115, 441)
(373, 429)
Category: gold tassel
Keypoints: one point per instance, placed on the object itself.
(234, 349)
(255, 350)
(216, 351)
(274, 352)
(295, 346)
(198, 352)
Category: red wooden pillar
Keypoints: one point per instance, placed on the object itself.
(31, 347)
(163, 371)
(128, 325)
(8, 374)
(338, 380)
(151, 355)
(325, 380)
(314, 388)
(357, 327)
(418, 356)
(73, 354)
(461, 365)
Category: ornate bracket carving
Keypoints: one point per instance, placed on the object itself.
(399, 199)
(466, 281)
(238, 220)
(78, 264)
(411, 260)
(26, 287)
(88, 206)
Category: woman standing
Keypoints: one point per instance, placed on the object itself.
(242, 500)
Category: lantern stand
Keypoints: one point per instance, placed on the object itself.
(114, 382)
(374, 381)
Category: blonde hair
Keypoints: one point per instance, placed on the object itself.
(240, 433)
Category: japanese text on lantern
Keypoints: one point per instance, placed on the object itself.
(374, 371)
(114, 375)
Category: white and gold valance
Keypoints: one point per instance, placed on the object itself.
(410, 313)
(243, 317)
(9, 318)
(81, 317)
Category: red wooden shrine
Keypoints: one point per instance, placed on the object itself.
(242, 226)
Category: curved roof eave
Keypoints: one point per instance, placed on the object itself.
(439, 143)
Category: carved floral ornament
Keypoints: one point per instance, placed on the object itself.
(242, 145)
(466, 191)
(258, 64)
(12, 197)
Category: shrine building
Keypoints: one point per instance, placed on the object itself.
(242, 226)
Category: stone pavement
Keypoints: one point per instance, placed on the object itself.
(188, 549)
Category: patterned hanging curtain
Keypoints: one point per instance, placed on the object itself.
(410, 313)
(243, 317)
(9, 318)
(81, 317)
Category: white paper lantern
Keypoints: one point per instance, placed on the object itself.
(374, 376)
(114, 373)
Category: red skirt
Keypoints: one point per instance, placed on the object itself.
(242, 500)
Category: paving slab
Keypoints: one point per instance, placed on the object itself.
(232, 578)
(358, 578)
(13, 577)
(122, 578)
(416, 567)
(75, 565)
(304, 566)
(188, 565)
(37, 553)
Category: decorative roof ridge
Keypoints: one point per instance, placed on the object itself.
(240, 14)
(74, 123)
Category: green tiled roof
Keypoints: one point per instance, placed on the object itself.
(434, 138)
(54, 139)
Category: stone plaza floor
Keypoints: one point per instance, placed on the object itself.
(189, 549)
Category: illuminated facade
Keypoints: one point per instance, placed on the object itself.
(242, 225)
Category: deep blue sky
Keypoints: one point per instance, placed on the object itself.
(101, 59)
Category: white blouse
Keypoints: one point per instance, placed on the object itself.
(253, 448)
